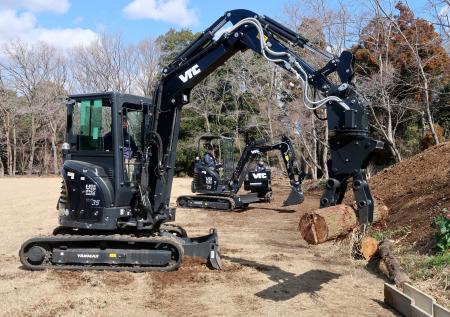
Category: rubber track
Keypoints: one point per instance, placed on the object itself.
(231, 201)
(119, 238)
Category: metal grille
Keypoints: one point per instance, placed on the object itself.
(110, 174)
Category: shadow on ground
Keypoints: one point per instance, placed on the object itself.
(288, 284)
(382, 304)
(280, 210)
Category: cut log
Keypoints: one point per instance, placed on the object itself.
(329, 223)
(395, 271)
(368, 248)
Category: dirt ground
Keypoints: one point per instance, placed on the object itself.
(416, 190)
(268, 271)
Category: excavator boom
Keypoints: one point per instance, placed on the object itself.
(347, 112)
(288, 156)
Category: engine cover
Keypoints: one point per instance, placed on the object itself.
(258, 182)
(206, 180)
(87, 198)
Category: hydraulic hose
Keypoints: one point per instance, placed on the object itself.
(304, 79)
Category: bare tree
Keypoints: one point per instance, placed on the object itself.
(441, 17)
(9, 114)
(27, 69)
(107, 64)
(388, 113)
(379, 87)
(7, 120)
(147, 58)
(53, 118)
(415, 46)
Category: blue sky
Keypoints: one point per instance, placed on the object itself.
(66, 23)
(103, 14)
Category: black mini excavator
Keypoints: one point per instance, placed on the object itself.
(221, 192)
(119, 157)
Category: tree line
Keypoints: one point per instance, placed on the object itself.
(402, 69)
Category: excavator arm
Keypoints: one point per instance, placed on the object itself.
(288, 155)
(347, 114)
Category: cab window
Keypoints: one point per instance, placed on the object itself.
(91, 125)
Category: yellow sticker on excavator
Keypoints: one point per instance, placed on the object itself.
(113, 255)
(266, 38)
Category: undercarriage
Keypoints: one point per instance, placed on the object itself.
(86, 250)
(226, 203)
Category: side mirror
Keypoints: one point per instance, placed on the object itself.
(65, 148)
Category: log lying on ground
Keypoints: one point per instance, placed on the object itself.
(329, 223)
(381, 257)
(368, 247)
(394, 270)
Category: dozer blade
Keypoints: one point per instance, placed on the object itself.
(295, 197)
(204, 247)
(215, 261)
(119, 252)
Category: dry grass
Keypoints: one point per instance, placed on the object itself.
(268, 269)
(430, 273)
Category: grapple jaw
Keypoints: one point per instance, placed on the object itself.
(295, 197)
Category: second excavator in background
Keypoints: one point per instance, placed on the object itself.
(221, 192)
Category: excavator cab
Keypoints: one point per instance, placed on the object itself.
(214, 164)
(102, 160)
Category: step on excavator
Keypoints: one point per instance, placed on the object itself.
(220, 192)
(119, 155)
